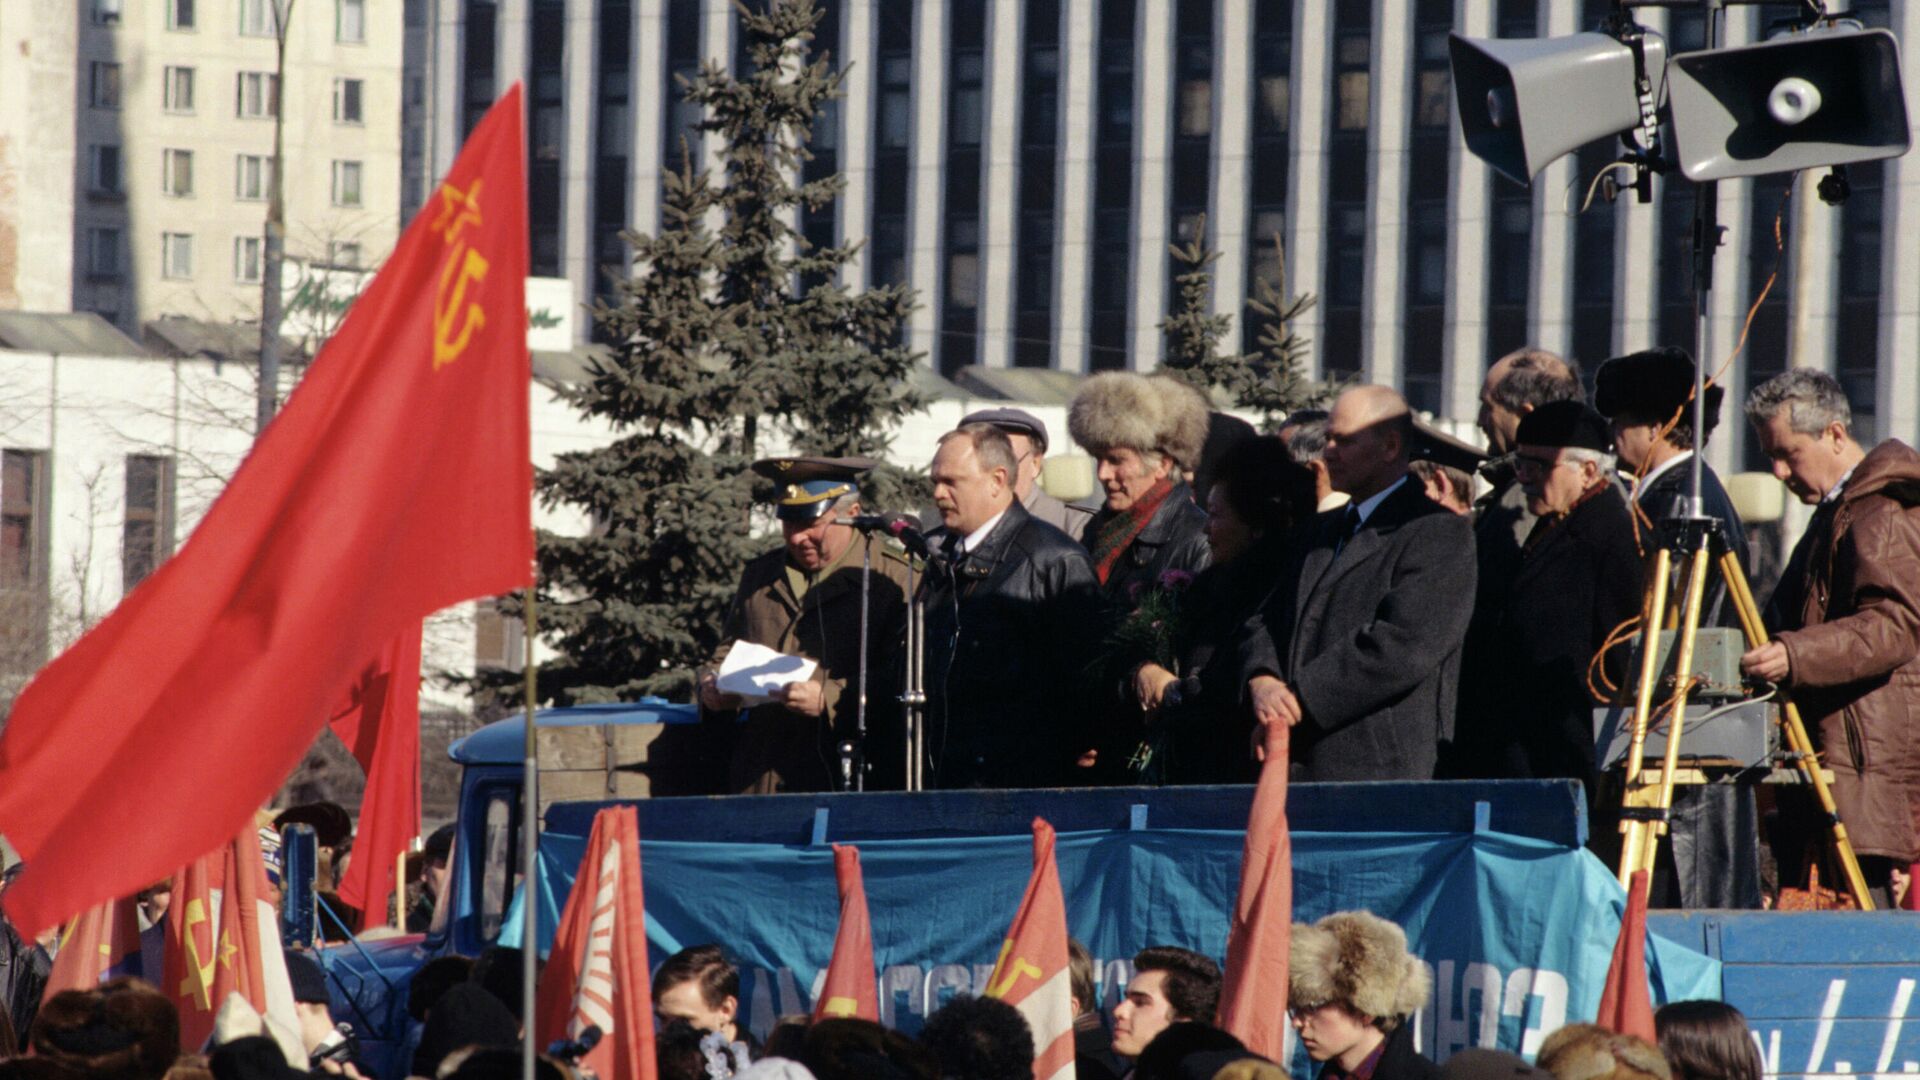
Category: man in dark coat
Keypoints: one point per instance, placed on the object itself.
(1846, 616)
(1359, 646)
(1014, 622)
(803, 599)
(1143, 431)
(1579, 579)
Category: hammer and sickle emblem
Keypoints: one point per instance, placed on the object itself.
(1013, 967)
(199, 980)
(463, 266)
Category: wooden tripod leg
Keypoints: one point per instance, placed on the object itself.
(1796, 731)
(1633, 828)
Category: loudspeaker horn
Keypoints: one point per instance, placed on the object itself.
(1804, 101)
(1525, 102)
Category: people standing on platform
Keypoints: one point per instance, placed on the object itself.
(1014, 625)
(1028, 435)
(1143, 431)
(803, 599)
(1845, 620)
(1352, 988)
(1579, 580)
(1358, 646)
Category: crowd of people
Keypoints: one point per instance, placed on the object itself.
(1347, 576)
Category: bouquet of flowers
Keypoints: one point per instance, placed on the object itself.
(1150, 634)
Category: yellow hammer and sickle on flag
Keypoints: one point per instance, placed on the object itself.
(448, 343)
(998, 986)
(199, 980)
(841, 1006)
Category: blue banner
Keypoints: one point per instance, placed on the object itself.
(1518, 932)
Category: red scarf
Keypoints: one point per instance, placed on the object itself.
(1116, 534)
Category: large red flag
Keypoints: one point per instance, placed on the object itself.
(381, 725)
(101, 942)
(1031, 974)
(396, 482)
(597, 974)
(213, 940)
(1253, 996)
(850, 988)
(1625, 1005)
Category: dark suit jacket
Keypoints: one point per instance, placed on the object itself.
(1370, 640)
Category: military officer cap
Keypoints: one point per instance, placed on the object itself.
(1443, 449)
(809, 486)
(1013, 422)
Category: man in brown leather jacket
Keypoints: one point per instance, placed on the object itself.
(803, 599)
(1847, 614)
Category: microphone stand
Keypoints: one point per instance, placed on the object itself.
(853, 752)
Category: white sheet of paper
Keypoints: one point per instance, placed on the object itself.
(756, 673)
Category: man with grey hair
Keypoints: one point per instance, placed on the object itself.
(1846, 622)
(1013, 623)
(1305, 433)
(1580, 577)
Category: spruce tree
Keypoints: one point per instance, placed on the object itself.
(723, 341)
(1271, 381)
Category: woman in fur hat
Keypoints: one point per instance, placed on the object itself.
(1352, 985)
(1145, 431)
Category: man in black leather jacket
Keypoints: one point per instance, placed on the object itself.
(1014, 622)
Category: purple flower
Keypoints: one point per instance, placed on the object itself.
(1175, 579)
(1133, 592)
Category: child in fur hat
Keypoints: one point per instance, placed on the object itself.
(1352, 984)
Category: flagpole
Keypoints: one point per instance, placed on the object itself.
(530, 848)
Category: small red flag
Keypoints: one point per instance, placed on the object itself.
(851, 988)
(1031, 974)
(102, 942)
(1253, 995)
(1912, 900)
(1625, 1005)
(213, 945)
(396, 482)
(381, 725)
(597, 974)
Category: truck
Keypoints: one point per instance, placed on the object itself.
(1513, 916)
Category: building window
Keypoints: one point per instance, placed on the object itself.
(147, 536)
(105, 12)
(966, 118)
(1425, 283)
(1268, 167)
(176, 90)
(258, 18)
(346, 183)
(252, 177)
(344, 254)
(179, 14)
(176, 255)
(1111, 285)
(103, 253)
(258, 95)
(22, 518)
(246, 259)
(176, 172)
(1039, 145)
(350, 21)
(103, 85)
(682, 132)
(893, 136)
(1347, 189)
(1191, 171)
(104, 175)
(346, 100)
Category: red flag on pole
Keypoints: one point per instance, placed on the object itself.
(213, 941)
(597, 974)
(1031, 974)
(1253, 995)
(100, 943)
(381, 725)
(850, 988)
(1625, 1005)
(396, 481)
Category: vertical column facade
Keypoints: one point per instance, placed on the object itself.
(1812, 247)
(855, 56)
(1307, 180)
(1079, 67)
(1382, 302)
(649, 67)
(577, 157)
(929, 160)
(1153, 141)
(446, 87)
(1899, 377)
(999, 192)
(1233, 37)
(1465, 360)
(1551, 299)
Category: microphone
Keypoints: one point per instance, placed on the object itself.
(899, 526)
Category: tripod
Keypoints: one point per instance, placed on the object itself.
(1647, 804)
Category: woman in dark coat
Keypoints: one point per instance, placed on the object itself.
(1198, 723)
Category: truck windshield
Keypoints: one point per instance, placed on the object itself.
(496, 863)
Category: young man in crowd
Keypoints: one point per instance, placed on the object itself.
(1169, 986)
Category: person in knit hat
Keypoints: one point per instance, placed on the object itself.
(1145, 432)
(1351, 986)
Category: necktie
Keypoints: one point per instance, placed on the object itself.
(1348, 527)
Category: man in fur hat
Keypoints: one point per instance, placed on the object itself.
(1144, 431)
(1351, 987)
